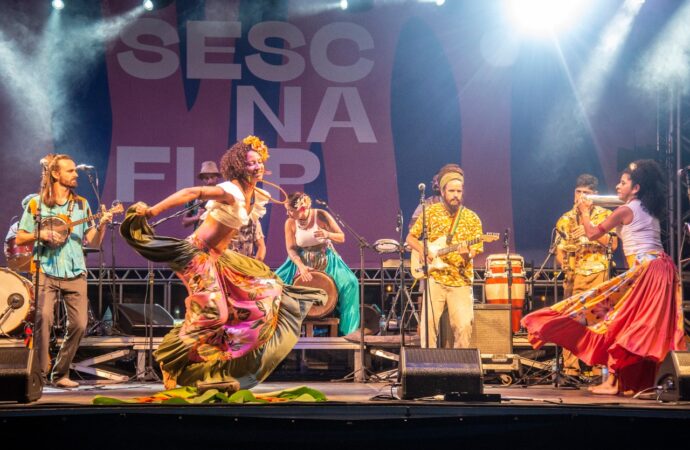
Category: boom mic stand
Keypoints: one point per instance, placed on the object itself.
(362, 245)
(93, 181)
(425, 269)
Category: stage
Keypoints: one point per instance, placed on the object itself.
(356, 415)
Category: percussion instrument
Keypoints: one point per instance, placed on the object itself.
(606, 201)
(16, 301)
(496, 284)
(387, 246)
(18, 256)
(323, 281)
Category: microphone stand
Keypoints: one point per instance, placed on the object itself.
(37, 275)
(509, 275)
(362, 245)
(425, 269)
(93, 181)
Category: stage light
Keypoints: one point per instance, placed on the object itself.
(148, 5)
(58, 4)
(343, 4)
(545, 16)
(440, 2)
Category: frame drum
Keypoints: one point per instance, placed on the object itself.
(496, 284)
(322, 281)
(16, 301)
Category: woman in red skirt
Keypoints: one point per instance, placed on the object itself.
(632, 321)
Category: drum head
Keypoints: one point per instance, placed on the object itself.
(387, 246)
(322, 281)
(15, 300)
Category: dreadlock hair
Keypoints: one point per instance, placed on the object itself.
(53, 165)
(647, 174)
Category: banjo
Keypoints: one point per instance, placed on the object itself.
(61, 225)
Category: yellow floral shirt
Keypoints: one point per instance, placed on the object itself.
(590, 257)
(439, 222)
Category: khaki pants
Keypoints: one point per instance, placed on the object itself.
(580, 284)
(459, 303)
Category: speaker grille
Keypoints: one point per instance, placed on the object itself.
(431, 371)
(683, 363)
(491, 331)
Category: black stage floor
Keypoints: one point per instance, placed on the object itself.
(356, 415)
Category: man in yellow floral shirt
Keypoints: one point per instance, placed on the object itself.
(584, 262)
(450, 287)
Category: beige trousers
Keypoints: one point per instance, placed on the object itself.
(459, 304)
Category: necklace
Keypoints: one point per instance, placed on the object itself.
(302, 223)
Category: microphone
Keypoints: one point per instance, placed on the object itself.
(320, 202)
(44, 163)
(84, 167)
(421, 187)
(561, 234)
(398, 223)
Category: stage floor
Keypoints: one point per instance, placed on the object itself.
(362, 393)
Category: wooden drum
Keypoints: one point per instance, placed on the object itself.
(496, 284)
(323, 281)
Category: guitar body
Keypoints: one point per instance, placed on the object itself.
(416, 260)
(438, 248)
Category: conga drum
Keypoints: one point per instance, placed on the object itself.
(496, 284)
(16, 301)
(323, 281)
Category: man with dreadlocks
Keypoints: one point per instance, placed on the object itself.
(62, 265)
(240, 319)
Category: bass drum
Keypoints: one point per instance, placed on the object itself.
(16, 301)
(323, 281)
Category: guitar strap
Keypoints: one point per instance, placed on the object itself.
(454, 225)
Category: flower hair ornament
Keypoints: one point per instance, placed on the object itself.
(257, 145)
(303, 202)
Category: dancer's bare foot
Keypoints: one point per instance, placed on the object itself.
(608, 387)
(169, 382)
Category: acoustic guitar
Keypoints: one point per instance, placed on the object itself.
(439, 248)
(62, 225)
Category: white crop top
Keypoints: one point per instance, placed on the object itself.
(304, 237)
(642, 234)
(235, 215)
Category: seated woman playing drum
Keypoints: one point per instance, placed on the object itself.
(309, 237)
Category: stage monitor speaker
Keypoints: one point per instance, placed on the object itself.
(427, 372)
(674, 377)
(131, 318)
(20, 375)
(491, 330)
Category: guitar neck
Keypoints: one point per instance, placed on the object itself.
(454, 247)
(86, 219)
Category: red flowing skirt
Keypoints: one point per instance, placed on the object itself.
(628, 323)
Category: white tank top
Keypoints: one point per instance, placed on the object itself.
(304, 237)
(642, 234)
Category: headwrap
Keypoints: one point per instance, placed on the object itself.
(450, 176)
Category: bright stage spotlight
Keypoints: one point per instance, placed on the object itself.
(440, 2)
(545, 16)
(148, 5)
(343, 4)
(58, 4)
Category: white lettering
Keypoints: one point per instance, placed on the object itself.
(197, 67)
(325, 117)
(292, 157)
(185, 167)
(290, 130)
(125, 174)
(168, 62)
(318, 52)
(294, 66)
